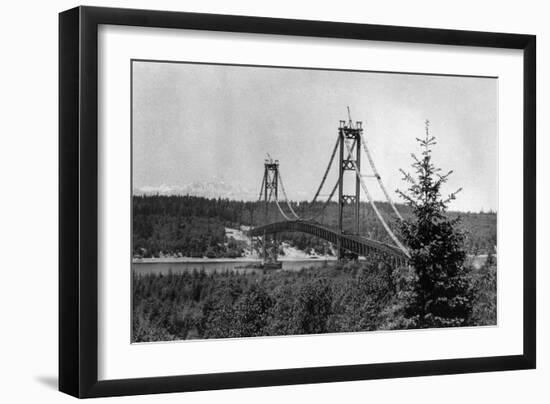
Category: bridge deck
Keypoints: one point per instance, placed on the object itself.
(357, 244)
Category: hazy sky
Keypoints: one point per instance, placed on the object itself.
(198, 123)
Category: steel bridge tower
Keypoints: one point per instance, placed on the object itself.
(348, 133)
(270, 189)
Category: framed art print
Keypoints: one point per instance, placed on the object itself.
(251, 201)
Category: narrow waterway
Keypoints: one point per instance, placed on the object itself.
(164, 266)
(210, 265)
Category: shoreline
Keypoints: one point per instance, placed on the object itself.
(249, 260)
(190, 260)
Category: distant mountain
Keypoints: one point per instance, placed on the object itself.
(216, 188)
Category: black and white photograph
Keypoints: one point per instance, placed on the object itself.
(275, 200)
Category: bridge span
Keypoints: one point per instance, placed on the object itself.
(348, 147)
(359, 245)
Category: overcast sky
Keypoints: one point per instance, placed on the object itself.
(203, 123)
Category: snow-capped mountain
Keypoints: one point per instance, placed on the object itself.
(216, 188)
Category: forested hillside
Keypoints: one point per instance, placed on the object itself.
(195, 227)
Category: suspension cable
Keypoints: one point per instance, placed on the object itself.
(316, 215)
(261, 189)
(378, 178)
(286, 197)
(374, 207)
(327, 170)
(281, 210)
(325, 204)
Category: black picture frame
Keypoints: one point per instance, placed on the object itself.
(78, 201)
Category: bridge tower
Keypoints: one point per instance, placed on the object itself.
(270, 190)
(347, 132)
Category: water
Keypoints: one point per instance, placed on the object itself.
(216, 265)
(164, 266)
(476, 261)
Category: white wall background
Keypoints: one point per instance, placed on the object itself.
(28, 205)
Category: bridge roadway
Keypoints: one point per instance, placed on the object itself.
(359, 245)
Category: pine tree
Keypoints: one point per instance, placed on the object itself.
(441, 295)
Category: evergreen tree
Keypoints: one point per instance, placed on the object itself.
(252, 310)
(312, 307)
(441, 294)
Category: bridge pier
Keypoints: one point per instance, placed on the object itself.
(271, 252)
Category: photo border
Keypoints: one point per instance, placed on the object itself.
(78, 201)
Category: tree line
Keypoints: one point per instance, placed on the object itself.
(193, 226)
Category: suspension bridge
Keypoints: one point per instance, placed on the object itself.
(350, 145)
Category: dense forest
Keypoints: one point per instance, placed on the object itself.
(195, 227)
(339, 298)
